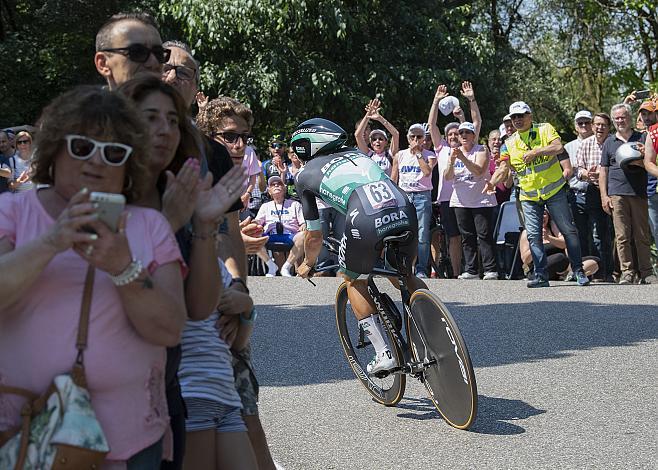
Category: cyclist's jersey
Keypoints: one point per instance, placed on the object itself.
(374, 207)
(334, 177)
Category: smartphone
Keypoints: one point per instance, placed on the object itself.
(110, 207)
(642, 94)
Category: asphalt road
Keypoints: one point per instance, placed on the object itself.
(567, 378)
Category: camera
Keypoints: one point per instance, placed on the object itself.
(279, 228)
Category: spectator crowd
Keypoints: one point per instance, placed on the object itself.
(167, 357)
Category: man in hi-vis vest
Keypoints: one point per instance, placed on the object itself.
(532, 151)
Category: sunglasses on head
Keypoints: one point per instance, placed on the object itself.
(82, 148)
(232, 137)
(182, 72)
(140, 53)
(22, 142)
(277, 146)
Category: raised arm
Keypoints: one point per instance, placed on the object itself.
(360, 129)
(375, 115)
(435, 133)
(476, 118)
(650, 157)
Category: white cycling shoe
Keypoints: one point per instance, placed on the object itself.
(380, 362)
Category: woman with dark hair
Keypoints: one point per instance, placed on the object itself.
(91, 140)
(192, 207)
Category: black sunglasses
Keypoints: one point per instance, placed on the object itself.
(140, 53)
(278, 146)
(182, 72)
(518, 116)
(21, 142)
(232, 137)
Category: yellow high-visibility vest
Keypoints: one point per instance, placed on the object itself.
(541, 178)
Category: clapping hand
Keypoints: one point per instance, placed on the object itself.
(373, 109)
(180, 195)
(213, 202)
(252, 236)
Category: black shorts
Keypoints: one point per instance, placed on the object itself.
(375, 211)
(449, 219)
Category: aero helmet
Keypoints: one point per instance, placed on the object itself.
(628, 152)
(317, 136)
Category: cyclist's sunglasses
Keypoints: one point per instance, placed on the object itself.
(232, 137)
(182, 72)
(140, 53)
(82, 148)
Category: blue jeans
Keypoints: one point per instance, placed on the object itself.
(422, 201)
(594, 228)
(653, 216)
(558, 208)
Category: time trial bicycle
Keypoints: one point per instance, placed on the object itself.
(432, 350)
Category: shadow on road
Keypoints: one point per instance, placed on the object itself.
(299, 346)
(492, 418)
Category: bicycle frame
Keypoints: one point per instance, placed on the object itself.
(409, 367)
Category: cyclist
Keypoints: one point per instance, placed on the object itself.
(374, 208)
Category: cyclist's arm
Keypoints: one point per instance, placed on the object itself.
(313, 232)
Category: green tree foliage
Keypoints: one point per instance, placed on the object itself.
(48, 47)
(291, 60)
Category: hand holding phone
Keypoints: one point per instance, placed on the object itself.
(110, 207)
(642, 94)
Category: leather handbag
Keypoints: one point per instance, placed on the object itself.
(59, 429)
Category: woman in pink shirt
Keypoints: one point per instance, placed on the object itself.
(469, 171)
(91, 139)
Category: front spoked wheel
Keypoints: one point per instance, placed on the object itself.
(387, 390)
(449, 377)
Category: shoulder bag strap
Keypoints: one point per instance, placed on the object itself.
(78, 371)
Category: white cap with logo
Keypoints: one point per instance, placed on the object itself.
(584, 114)
(519, 107)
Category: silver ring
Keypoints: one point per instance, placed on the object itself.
(89, 250)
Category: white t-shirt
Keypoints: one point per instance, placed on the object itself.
(467, 188)
(290, 215)
(382, 160)
(411, 178)
(442, 161)
(21, 166)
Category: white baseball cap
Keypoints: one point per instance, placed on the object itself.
(519, 107)
(416, 127)
(467, 126)
(507, 117)
(448, 105)
(377, 131)
(584, 114)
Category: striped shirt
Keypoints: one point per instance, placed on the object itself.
(206, 370)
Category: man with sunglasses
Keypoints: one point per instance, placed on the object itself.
(533, 152)
(129, 44)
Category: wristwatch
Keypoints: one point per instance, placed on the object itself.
(250, 319)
